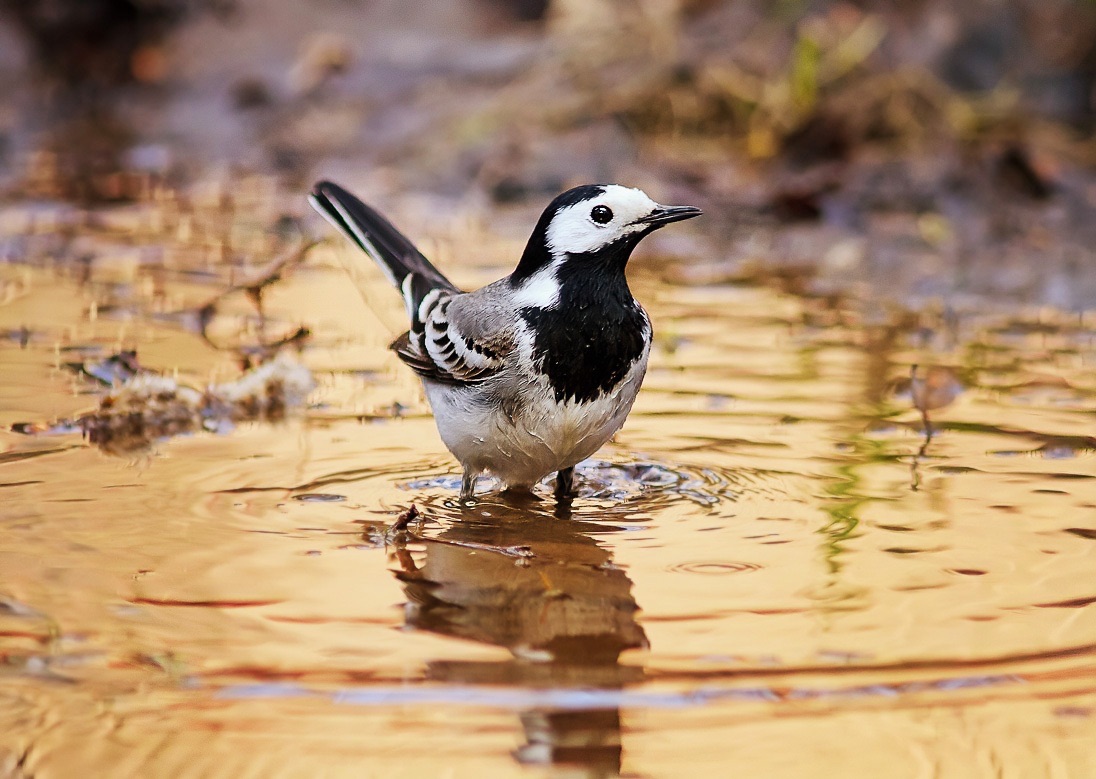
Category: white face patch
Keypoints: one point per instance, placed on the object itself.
(541, 290)
(574, 230)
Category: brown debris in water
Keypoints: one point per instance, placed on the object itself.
(934, 387)
(148, 408)
(254, 285)
(406, 518)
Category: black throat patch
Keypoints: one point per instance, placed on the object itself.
(587, 343)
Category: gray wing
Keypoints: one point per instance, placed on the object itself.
(458, 338)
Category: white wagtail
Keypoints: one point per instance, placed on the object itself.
(535, 372)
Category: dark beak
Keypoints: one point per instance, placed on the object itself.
(663, 215)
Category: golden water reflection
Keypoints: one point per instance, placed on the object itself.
(771, 567)
(544, 589)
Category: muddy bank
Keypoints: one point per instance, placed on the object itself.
(916, 151)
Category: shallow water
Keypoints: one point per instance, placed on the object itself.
(771, 571)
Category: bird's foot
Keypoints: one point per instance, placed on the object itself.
(468, 489)
(565, 483)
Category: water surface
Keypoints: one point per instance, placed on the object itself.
(771, 571)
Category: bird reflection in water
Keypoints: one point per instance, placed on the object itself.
(515, 576)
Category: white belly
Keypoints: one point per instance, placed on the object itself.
(522, 442)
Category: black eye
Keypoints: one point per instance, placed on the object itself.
(601, 215)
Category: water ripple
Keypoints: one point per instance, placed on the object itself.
(713, 567)
(600, 481)
(585, 699)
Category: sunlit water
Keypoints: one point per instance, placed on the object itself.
(770, 572)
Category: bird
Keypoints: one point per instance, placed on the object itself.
(533, 373)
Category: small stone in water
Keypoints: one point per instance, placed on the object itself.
(319, 497)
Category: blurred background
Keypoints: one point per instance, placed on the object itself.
(848, 527)
(915, 146)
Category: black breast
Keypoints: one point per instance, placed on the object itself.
(588, 342)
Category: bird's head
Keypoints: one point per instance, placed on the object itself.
(595, 224)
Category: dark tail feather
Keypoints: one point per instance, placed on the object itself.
(376, 236)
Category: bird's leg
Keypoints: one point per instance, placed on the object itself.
(468, 487)
(565, 480)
